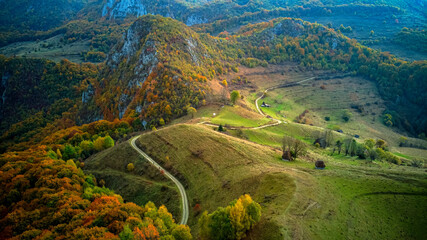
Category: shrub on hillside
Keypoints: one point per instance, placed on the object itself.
(221, 128)
(102, 143)
(108, 142)
(130, 167)
(417, 163)
(346, 115)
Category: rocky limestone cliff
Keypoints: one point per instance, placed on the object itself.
(189, 13)
(136, 47)
(123, 8)
(194, 19)
(3, 89)
(150, 48)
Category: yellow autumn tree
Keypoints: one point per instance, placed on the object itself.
(231, 222)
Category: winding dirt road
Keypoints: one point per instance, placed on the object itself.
(184, 199)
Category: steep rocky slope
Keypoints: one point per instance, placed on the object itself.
(159, 68)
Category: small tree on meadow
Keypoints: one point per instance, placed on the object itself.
(329, 138)
(234, 96)
(224, 82)
(338, 145)
(381, 144)
(346, 115)
(224, 91)
(299, 148)
(192, 111)
(293, 146)
(347, 145)
(220, 128)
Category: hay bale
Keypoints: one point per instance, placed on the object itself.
(320, 164)
(287, 156)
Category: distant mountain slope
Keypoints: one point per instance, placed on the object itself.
(161, 67)
(39, 15)
(46, 14)
(101, 21)
(36, 92)
(196, 12)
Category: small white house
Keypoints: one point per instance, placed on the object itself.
(264, 104)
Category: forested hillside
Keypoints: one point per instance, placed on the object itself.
(402, 84)
(36, 92)
(280, 40)
(22, 18)
(38, 15)
(162, 67)
(159, 70)
(45, 197)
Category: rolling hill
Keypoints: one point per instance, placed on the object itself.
(294, 196)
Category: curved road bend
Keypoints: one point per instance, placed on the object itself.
(184, 199)
(277, 121)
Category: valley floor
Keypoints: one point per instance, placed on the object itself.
(351, 198)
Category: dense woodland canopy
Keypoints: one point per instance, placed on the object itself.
(401, 83)
(45, 197)
(45, 194)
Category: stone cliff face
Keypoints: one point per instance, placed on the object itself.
(3, 89)
(123, 8)
(113, 9)
(136, 47)
(150, 42)
(194, 19)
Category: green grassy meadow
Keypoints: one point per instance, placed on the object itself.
(343, 201)
(51, 48)
(238, 116)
